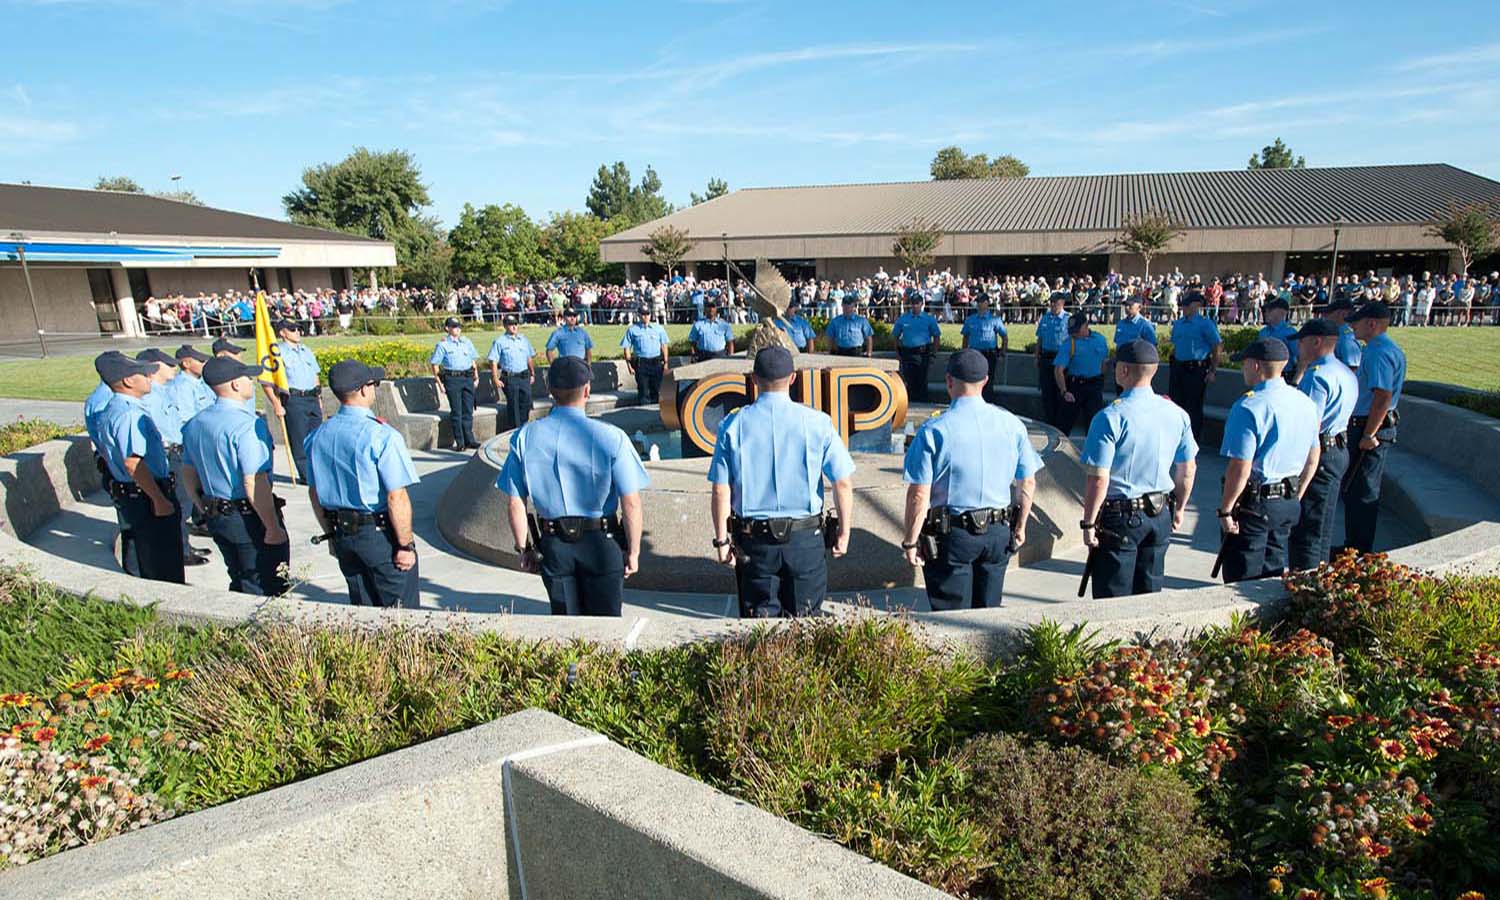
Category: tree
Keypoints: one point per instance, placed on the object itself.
(667, 245)
(571, 243)
(612, 197)
(179, 196)
(426, 259)
(1473, 229)
(717, 187)
(498, 243)
(1276, 156)
(123, 183)
(369, 193)
(1147, 234)
(952, 162)
(916, 244)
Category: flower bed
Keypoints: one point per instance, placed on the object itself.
(24, 432)
(1351, 751)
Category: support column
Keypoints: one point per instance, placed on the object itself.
(374, 280)
(1278, 268)
(348, 278)
(119, 281)
(273, 281)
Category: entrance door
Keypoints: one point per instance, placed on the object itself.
(103, 294)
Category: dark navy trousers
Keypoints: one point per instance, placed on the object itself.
(254, 566)
(1047, 381)
(460, 391)
(781, 580)
(1259, 550)
(648, 379)
(1187, 386)
(155, 541)
(1132, 552)
(1312, 536)
(913, 370)
(303, 415)
(1362, 492)
(969, 571)
(517, 389)
(367, 561)
(585, 577)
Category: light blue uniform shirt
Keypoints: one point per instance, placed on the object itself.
(1135, 328)
(799, 328)
(1275, 426)
(570, 340)
(92, 407)
(774, 455)
(1194, 338)
(512, 352)
(1283, 332)
(451, 354)
(126, 430)
(711, 336)
(984, 331)
(191, 396)
(1083, 357)
(1348, 350)
(1384, 367)
(848, 330)
(1051, 331)
(1138, 438)
(163, 412)
(301, 366)
(1334, 391)
(916, 329)
(970, 455)
(646, 341)
(571, 465)
(225, 444)
(354, 461)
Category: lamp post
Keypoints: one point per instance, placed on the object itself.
(1333, 268)
(36, 316)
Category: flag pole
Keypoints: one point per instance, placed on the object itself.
(265, 349)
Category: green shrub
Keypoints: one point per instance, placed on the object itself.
(1486, 402)
(1065, 824)
(399, 358)
(23, 433)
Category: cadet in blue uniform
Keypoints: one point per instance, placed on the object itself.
(711, 336)
(1139, 462)
(797, 326)
(189, 392)
(1051, 334)
(985, 331)
(964, 518)
(162, 409)
(455, 366)
(512, 370)
(1271, 442)
(1195, 360)
(917, 337)
(93, 405)
(584, 479)
(849, 332)
(1132, 327)
(1275, 312)
(1078, 372)
(767, 506)
(646, 345)
(1382, 375)
(568, 339)
(227, 471)
(302, 404)
(359, 472)
(1348, 351)
(140, 477)
(1334, 390)
(225, 347)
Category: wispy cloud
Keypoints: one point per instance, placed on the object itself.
(27, 132)
(1488, 53)
(18, 94)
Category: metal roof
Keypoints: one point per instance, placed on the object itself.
(28, 208)
(1241, 198)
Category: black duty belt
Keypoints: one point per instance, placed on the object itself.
(924, 350)
(516, 374)
(1275, 490)
(856, 350)
(1329, 441)
(348, 522)
(215, 506)
(1085, 379)
(458, 373)
(568, 528)
(777, 529)
(1392, 419)
(648, 360)
(129, 490)
(1192, 365)
(311, 392)
(975, 521)
(1047, 355)
(1152, 504)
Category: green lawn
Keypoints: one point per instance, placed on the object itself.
(1464, 356)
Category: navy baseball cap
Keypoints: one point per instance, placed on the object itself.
(288, 325)
(188, 351)
(512, 320)
(222, 370)
(452, 322)
(570, 311)
(568, 373)
(223, 345)
(1372, 310)
(1192, 298)
(153, 355)
(1278, 303)
(1316, 328)
(1342, 303)
(1268, 349)
(773, 363)
(1137, 352)
(350, 375)
(1077, 321)
(114, 366)
(969, 366)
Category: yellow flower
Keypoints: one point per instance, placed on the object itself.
(1375, 887)
(1273, 885)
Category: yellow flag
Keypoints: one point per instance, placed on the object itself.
(267, 354)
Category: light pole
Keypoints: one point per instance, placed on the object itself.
(36, 317)
(1333, 268)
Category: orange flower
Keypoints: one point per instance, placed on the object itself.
(98, 742)
(1309, 894)
(1376, 887)
(1374, 849)
(1421, 823)
(44, 735)
(177, 674)
(1340, 722)
(1201, 727)
(80, 685)
(1392, 750)
(1471, 895)
(1173, 755)
(103, 688)
(90, 782)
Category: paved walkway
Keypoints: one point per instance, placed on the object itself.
(62, 412)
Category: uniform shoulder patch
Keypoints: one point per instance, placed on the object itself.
(1115, 402)
(1249, 393)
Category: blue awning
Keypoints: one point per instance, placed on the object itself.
(135, 255)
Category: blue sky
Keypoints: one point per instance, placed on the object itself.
(521, 101)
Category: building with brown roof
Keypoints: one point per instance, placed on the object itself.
(1269, 221)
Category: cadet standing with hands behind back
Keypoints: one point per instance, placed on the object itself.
(512, 369)
(455, 366)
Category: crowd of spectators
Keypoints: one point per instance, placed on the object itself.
(1234, 299)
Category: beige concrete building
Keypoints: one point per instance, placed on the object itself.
(1269, 221)
(94, 257)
